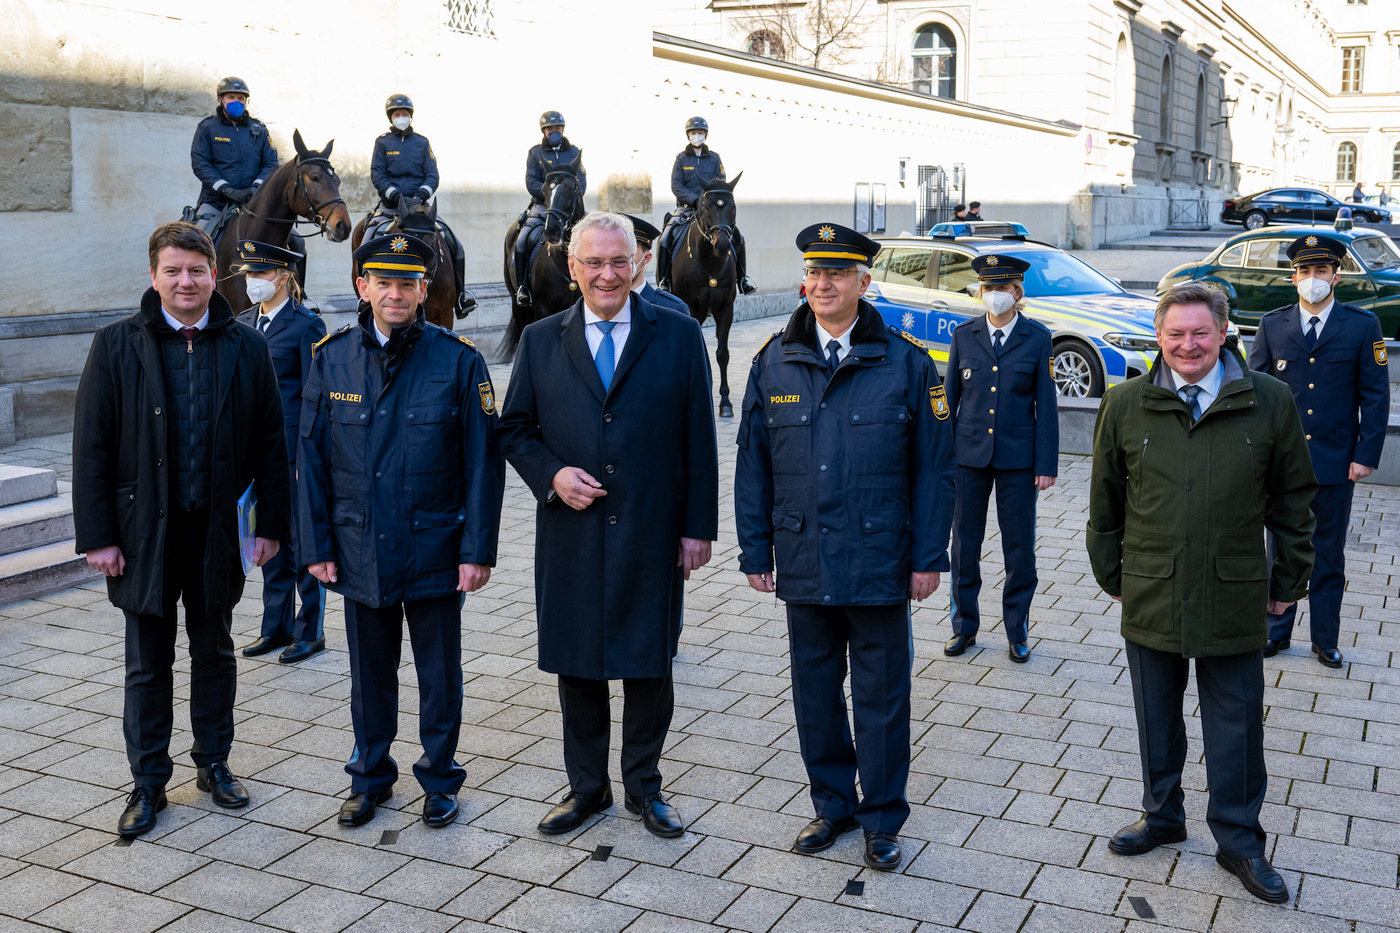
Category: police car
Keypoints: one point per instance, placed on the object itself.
(1102, 333)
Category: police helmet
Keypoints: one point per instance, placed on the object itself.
(551, 118)
(232, 85)
(696, 124)
(397, 102)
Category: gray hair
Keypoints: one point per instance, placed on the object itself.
(1194, 293)
(603, 220)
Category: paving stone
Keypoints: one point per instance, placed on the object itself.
(713, 856)
(756, 910)
(319, 910)
(1047, 918)
(1247, 915)
(338, 864)
(1177, 908)
(400, 918)
(255, 845)
(26, 892)
(810, 916)
(103, 908)
(745, 824)
(486, 898)
(55, 797)
(1078, 889)
(790, 873)
(916, 898)
(593, 877)
(229, 889)
(542, 910)
(202, 921)
(533, 861)
(425, 884)
(1334, 897)
(1038, 843)
(973, 869)
(25, 833)
(1336, 861)
(996, 913)
(675, 892)
(630, 839)
(141, 866)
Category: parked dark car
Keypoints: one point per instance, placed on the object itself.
(1295, 206)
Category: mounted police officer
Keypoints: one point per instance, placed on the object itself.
(553, 153)
(291, 330)
(1333, 358)
(646, 235)
(404, 166)
(696, 165)
(232, 155)
(1001, 389)
(845, 474)
(400, 480)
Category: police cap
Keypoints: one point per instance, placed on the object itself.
(551, 118)
(1315, 248)
(832, 246)
(397, 102)
(646, 233)
(395, 256)
(254, 256)
(994, 268)
(232, 85)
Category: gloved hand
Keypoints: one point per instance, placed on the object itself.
(424, 193)
(409, 203)
(239, 195)
(391, 197)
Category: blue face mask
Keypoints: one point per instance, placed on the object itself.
(554, 137)
(234, 108)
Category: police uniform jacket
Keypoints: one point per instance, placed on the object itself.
(846, 479)
(607, 588)
(400, 478)
(403, 161)
(1177, 510)
(1342, 385)
(1005, 410)
(663, 299)
(544, 158)
(229, 153)
(122, 427)
(694, 168)
(290, 337)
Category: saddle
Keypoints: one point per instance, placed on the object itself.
(227, 211)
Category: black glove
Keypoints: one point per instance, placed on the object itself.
(424, 194)
(390, 197)
(239, 195)
(409, 203)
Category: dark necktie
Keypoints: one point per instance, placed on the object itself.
(1312, 331)
(263, 321)
(189, 333)
(832, 349)
(606, 360)
(996, 342)
(1189, 395)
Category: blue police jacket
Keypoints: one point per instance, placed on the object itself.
(544, 158)
(1342, 385)
(663, 299)
(691, 170)
(290, 337)
(400, 477)
(228, 153)
(403, 161)
(1005, 409)
(845, 478)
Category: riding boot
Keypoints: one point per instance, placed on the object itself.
(741, 264)
(466, 301)
(524, 245)
(663, 259)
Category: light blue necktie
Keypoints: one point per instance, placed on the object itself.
(606, 360)
(1188, 394)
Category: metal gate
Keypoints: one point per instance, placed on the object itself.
(937, 195)
(1187, 213)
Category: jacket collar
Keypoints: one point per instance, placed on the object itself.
(564, 144)
(401, 134)
(220, 312)
(400, 338)
(1160, 392)
(233, 121)
(869, 335)
(639, 334)
(699, 153)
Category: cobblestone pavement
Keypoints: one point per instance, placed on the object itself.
(1020, 773)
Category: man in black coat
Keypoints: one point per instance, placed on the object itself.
(177, 415)
(608, 420)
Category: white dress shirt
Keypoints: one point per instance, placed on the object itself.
(176, 325)
(1304, 317)
(623, 320)
(379, 335)
(824, 337)
(270, 315)
(1210, 385)
(1005, 331)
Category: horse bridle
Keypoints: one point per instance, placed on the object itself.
(713, 231)
(552, 211)
(322, 224)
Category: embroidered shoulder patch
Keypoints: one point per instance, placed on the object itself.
(488, 398)
(938, 400)
(1378, 351)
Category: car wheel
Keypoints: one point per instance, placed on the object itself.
(1255, 219)
(1077, 370)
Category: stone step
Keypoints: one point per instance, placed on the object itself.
(25, 484)
(42, 570)
(37, 523)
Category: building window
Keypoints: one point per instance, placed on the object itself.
(1395, 163)
(766, 43)
(1125, 85)
(1201, 111)
(473, 17)
(1346, 162)
(1353, 62)
(1164, 117)
(935, 61)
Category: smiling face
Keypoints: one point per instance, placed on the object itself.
(185, 280)
(1191, 340)
(607, 287)
(834, 295)
(393, 301)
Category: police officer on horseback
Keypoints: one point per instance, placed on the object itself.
(553, 153)
(404, 167)
(232, 156)
(695, 165)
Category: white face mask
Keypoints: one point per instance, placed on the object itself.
(697, 139)
(401, 123)
(260, 290)
(1314, 290)
(998, 303)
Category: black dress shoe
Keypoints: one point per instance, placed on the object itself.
(882, 850)
(220, 783)
(1257, 876)
(1328, 657)
(1272, 647)
(958, 644)
(1020, 652)
(573, 810)
(1137, 838)
(439, 809)
(301, 650)
(358, 809)
(821, 834)
(141, 809)
(658, 816)
(265, 645)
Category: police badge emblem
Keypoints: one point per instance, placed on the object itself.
(488, 399)
(1378, 351)
(967, 374)
(1280, 365)
(938, 399)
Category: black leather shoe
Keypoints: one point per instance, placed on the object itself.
(1020, 652)
(1272, 647)
(220, 783)
(882, 850)
(141, 809)
(358, 809)
(265, 645)
(1328, 657)
(658, 816)
(573, 810)
(958, 644)
(1257, 876)
(821, 834)
(1137, 838)
(439, 809)
(301, 650)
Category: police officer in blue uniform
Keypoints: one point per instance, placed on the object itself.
(552, 153)
(231, 155)
(696, 165)
(290, 331)
(845, 476)
(646, 235)
(1333, 357)
(1001, 388)
(400, 480)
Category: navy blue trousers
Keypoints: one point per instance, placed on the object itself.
(880, 643)
(1332, 506)
(281, 577)
(374, 637)
(1015, 492)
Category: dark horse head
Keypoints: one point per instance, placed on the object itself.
(563, 203)
(315, 191)
(714, 213)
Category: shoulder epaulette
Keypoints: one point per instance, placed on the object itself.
(763, 346)
(1276, 311)
(455, 336)
(335, 333)
(909, 337)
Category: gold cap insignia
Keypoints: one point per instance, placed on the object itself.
(398, 244)
(1311, 241)
(991, 260)
(827, 234)
(249, 248)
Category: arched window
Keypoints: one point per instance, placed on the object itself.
(1164, 115)
(1201, 111)
(1346, 161)
(1125, 85)
(1395, 163)
(765, 42)
(935, 61)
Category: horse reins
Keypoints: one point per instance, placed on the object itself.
(322, 224)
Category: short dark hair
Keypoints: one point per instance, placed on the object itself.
(1194, 293)
(181, 235)
(975, 204)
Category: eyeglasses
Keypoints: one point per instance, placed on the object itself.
(833, 274)
(596, 265)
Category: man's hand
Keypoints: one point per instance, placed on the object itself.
(1277, 607)
(577, 488)
(472, 577)
(324, 571)
(264, 549)
(109, 560)
(1044, 482)
(763, 582)
(1356, 472)
(923, 585)
(694, 554)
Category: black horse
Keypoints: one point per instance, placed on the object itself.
(704, 273)
(551, 286)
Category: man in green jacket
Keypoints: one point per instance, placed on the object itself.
(1192, 462)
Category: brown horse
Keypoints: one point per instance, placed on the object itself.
(305, 189)
(704, 272)
(420, 220)
(552, 287)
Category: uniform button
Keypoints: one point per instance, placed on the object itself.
(385, 414)
(609, 469)
(994, 388)
(823, 467)
(379, 476)
(452, 413)
(994, 369)
(363, 416)
(1310, 385)
(770, 419)
(823, 405)
(826, 531)
(410, 417)
(854, 417)
(382, 537)
(868, 526)
(804, 418)
(1312, 359)
(1310, 411)
(991, 411)
(612, 519)
(160, 513)
(901, 416)
(160, 463)
(1307, 437)
(157, 411)
(826, 599)
(989, 430)
(607, 418)
(1189, 435)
